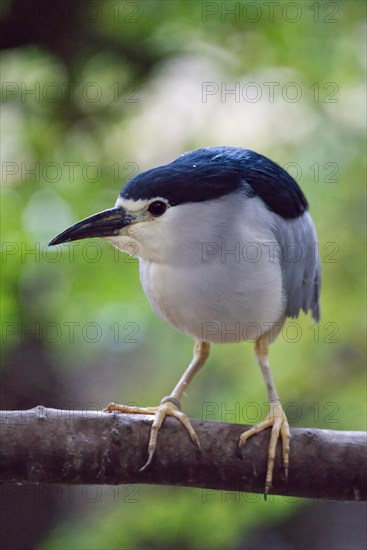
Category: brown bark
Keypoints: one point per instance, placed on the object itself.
(78, 447)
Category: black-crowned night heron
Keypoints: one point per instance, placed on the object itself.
(227, 251)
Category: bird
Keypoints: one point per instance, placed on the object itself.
(227, 252)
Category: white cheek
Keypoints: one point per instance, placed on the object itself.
(140, 231)
(125, 244)
(151, 239)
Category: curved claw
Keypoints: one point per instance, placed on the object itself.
(148, 462)
(286, 437)
(266, 491)
(166, 408)
(277, 420)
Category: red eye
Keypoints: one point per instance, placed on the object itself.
(157, 208)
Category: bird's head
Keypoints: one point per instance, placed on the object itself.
(166, 210)
(130, 225)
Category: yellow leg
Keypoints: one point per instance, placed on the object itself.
(276, 418)
(170, 406)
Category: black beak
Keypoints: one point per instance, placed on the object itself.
(104, 224)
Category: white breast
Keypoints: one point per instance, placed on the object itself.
(231, 295)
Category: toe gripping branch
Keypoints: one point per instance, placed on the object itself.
(170, 406)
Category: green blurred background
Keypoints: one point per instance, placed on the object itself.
(93, 92)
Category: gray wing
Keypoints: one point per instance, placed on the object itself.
(300, 264)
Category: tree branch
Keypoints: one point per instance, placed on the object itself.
(83, 447)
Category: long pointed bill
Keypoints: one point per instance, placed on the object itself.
(104, 224)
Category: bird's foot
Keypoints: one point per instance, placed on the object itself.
(277, 420)
(170, 406)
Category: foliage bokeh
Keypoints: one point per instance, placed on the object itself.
(66, 155)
